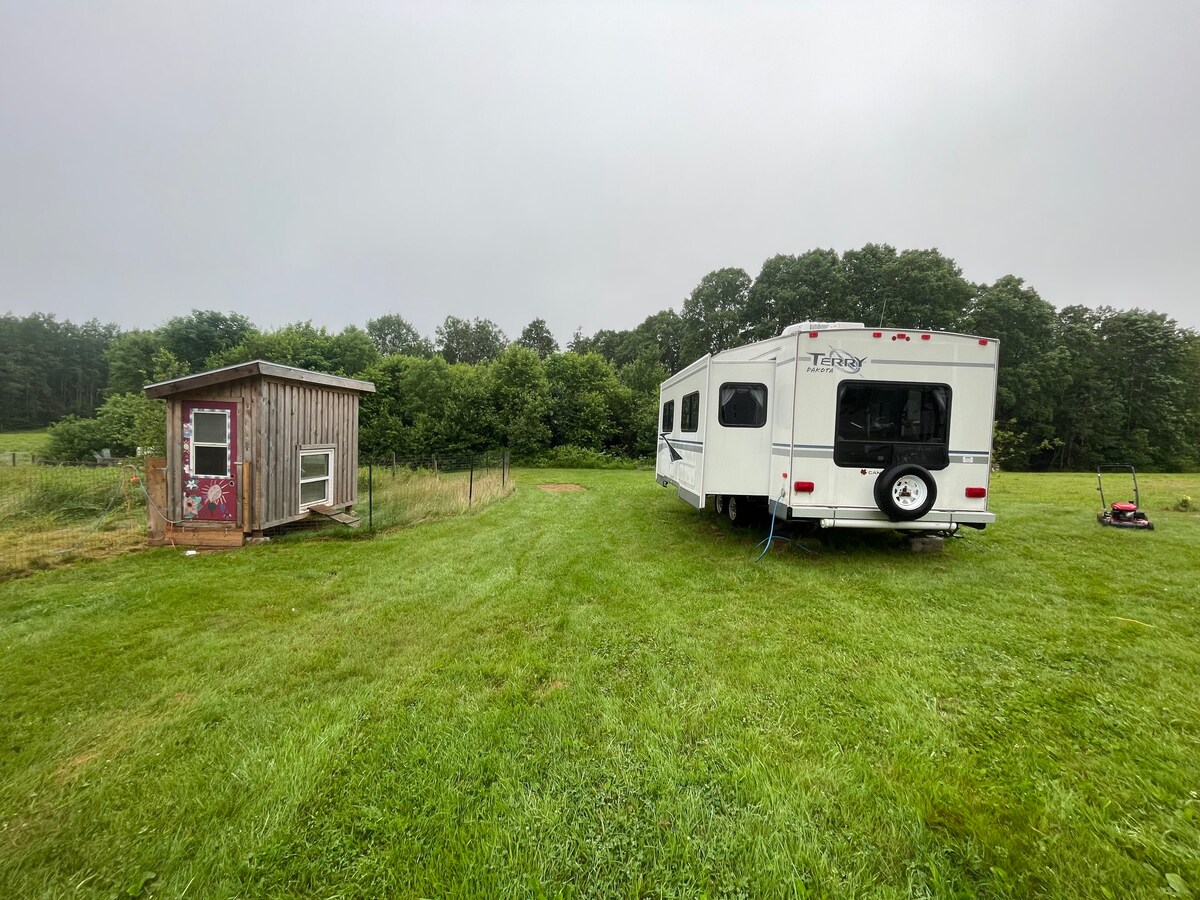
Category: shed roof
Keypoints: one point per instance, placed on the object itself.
(249, 370)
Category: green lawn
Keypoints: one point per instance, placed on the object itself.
(23, 444)
(600, 693)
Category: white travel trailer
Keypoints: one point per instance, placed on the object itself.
(837, 425)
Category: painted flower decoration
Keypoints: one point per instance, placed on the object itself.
(191, 484)
(191, 506)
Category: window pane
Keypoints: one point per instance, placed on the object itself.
(689, 415)
(210, 461)
(668, 416)
(743, 405)
(882, 424)
(313, 491)
(314, 465)
(209, 428)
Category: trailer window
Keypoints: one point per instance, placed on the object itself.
(689, 412)
(743, 405)
(668, 417)
(882, 424)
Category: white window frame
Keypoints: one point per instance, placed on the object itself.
(328, 452)
(227, 444)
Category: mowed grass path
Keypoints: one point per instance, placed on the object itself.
(600, 693)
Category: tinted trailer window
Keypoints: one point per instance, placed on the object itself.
(881, 424)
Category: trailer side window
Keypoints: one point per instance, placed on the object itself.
(689, 412)
(668, 417)
(743, 405)
(882, 424)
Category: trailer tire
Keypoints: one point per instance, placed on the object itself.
(719, 504)
(736, 509)
(905, 492)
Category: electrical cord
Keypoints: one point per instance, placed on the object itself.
(140, 481)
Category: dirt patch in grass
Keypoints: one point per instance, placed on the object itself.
(551, 687)
(70, 770)
(562, 487)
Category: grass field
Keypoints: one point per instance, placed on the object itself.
(600, 693)
(22, 445)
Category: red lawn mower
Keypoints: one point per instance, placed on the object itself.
(1121, 514)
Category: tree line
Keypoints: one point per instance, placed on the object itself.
(1077, 386)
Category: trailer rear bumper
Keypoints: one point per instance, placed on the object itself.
(865, 517)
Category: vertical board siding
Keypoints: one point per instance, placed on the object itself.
(277, 418)
(297, 415)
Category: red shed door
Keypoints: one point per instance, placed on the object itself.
(210, 453)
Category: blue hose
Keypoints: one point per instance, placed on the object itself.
(771, 534)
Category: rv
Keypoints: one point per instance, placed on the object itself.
(836, 425)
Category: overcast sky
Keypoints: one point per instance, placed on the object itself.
(584, 163)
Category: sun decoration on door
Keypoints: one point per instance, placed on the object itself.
(214, 497)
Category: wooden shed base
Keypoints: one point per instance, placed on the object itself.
(201, 536)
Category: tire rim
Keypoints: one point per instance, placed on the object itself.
(908, 492)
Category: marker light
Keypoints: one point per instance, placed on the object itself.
(804, 487)
(926, 337)
(983, 342)
(976, 492)
(876, 334)
(814, 334)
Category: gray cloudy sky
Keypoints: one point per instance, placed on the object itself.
(585, 163)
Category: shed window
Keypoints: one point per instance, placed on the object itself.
(743, 405)
(689, 412)
(316, 477)
(668, 417)
(210, 443)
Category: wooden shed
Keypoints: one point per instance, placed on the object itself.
(250, 447)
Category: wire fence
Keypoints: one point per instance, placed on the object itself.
(54, 513)
(406, 490)
(21, 458)
(57, 513)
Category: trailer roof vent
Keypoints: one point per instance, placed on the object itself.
(818, 326)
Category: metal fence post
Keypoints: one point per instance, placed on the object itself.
(471, 485)
(370, 497)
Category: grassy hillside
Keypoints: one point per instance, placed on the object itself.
(23, 443)
(599, 692)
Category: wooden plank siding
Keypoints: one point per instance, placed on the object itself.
(301, 415)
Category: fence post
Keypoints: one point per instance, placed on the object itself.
(435, 468)
(393, 463)
(471, 485)
(504, 469)
(370, 497)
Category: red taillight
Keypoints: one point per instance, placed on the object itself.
(976, 493)
(804, 487)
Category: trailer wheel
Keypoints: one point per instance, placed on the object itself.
(736, 509)
(719, 504)
(905, 492)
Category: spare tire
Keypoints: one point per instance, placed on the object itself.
(905, 492)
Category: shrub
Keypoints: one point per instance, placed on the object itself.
(569, 456)
(123, 424)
